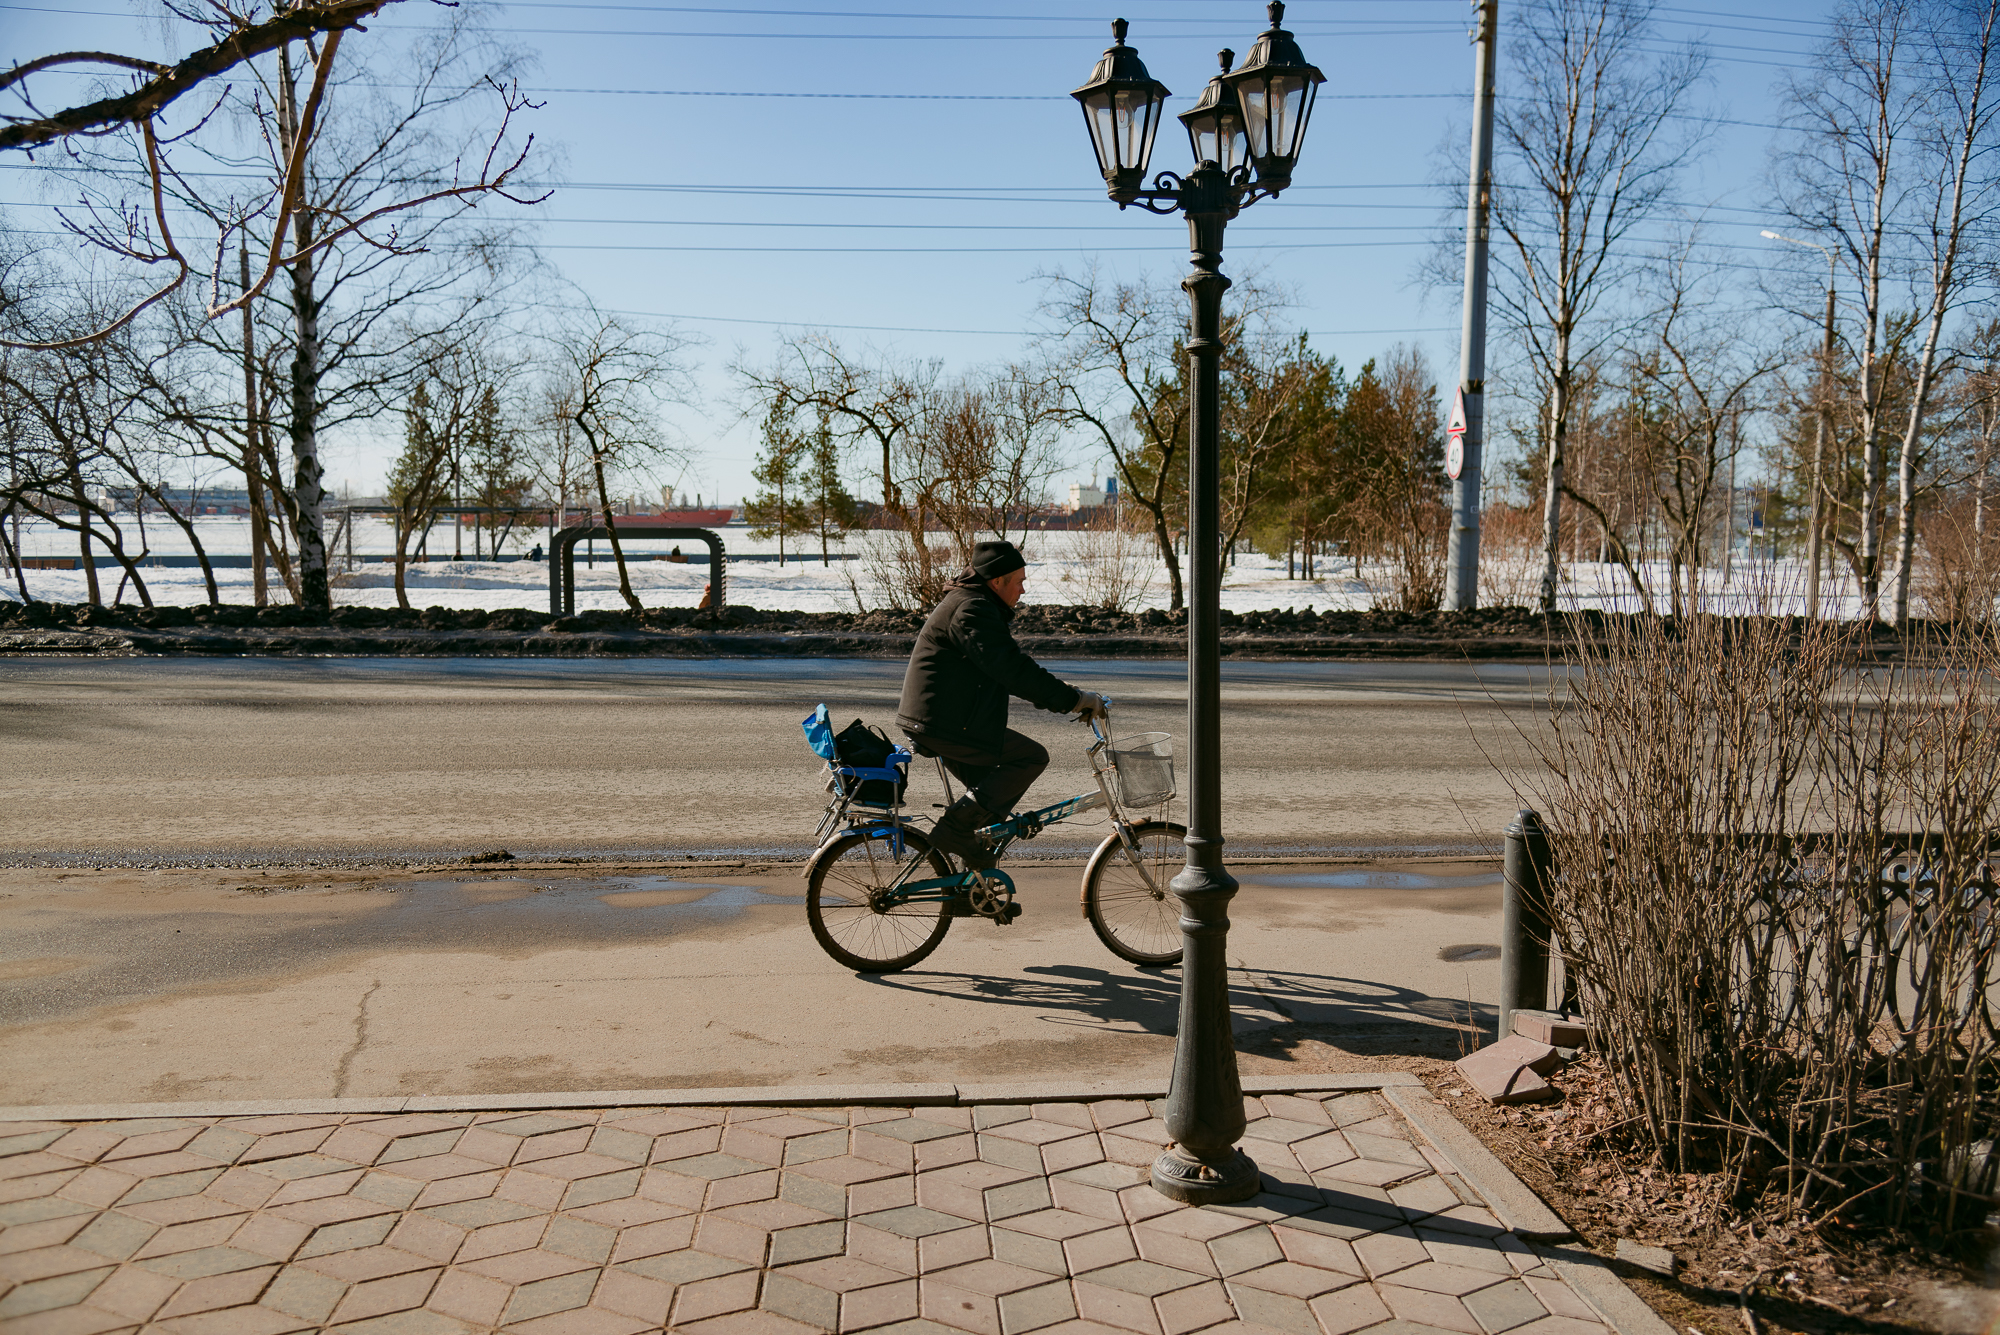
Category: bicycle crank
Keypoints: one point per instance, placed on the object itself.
(989, 901)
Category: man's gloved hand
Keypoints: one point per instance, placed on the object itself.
(1089, 704)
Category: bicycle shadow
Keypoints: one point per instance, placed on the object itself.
(1272, 1007)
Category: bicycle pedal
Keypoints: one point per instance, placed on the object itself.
(1006, 915)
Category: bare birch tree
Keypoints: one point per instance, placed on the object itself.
(1693, 375)
(870, 400)
(1114, 352)
(611, 379)
(133, 224)
(1889, 159)
(1588, 150)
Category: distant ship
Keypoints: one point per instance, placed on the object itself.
(712, 517)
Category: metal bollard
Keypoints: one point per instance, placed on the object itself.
(1524, 920)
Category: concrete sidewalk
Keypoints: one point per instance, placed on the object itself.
(908, 1208)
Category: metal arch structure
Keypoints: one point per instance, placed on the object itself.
(562, 559)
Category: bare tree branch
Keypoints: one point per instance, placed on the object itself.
(150, 98)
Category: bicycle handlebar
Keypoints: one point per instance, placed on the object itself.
(1098, 732)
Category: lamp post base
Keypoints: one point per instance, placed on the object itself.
(1192, 1182)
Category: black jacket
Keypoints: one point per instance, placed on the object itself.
(964, 667)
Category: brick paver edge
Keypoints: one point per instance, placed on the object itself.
(1595, 1282)
(768, 1096)
(1519, 1208)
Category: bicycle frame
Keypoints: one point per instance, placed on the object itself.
(1001, 834)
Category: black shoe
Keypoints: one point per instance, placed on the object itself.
(957, 833)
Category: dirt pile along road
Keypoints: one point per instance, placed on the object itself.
(1493, 634)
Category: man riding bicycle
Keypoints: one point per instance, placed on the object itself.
(955, 698)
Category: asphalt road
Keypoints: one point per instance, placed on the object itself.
(243, 760)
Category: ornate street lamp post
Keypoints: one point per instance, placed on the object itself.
(1245, 131)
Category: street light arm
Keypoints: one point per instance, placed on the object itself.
(1173, 193)
(1824, 250)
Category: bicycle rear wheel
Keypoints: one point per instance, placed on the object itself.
(1137, 922)
(846, 908)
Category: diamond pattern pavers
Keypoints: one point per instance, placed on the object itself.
(996, 1219)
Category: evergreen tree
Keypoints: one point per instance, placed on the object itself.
(832, 511)
(496, 461)
(779, 508)
(418, 480)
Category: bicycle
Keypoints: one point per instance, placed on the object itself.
(877, 891)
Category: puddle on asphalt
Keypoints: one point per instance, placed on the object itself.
(599, 907)
(1365, 880)
(126, 957)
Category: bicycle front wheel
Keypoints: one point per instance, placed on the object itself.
(1137, 921)
(847, 906)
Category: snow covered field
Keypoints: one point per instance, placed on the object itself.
(1064, 568)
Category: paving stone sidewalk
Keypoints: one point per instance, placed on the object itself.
(991, 1218)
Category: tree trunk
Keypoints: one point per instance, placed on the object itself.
(1552, 499)
(14, 560)
(253, 473)
(83, 535)
(186, 525)
(308, 489)
(1176, 594)
(610, 525)
(308, 492)
(402, 558)
(115, 544)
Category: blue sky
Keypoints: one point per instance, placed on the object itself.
(935, 162)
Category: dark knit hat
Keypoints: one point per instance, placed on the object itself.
(991, 560)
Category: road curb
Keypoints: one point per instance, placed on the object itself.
(1595, 1282)
(1526, 1215)
(1518, 1206)
(770, 1096)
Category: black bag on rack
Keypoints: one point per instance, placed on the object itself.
(862, 747)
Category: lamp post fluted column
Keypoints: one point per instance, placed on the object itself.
(1205, 1099)
(1245, 130)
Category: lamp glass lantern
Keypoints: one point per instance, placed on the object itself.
(1121, 107)
(1276, 88)
(1215, 123)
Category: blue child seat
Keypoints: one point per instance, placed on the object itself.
(853, 782)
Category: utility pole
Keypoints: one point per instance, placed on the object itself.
(1461, 593)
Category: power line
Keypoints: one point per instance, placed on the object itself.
(1091, 21)
(918, 329)
(881, 226)
(1436, 27)
(915, 97)
(1441, 29)
(945, 250)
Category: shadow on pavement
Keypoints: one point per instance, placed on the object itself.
(1301, 1005)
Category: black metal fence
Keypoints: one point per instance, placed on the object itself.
(1884, 903)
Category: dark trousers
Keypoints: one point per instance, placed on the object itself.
(996, 783)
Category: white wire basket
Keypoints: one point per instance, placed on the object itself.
(1143, 768)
